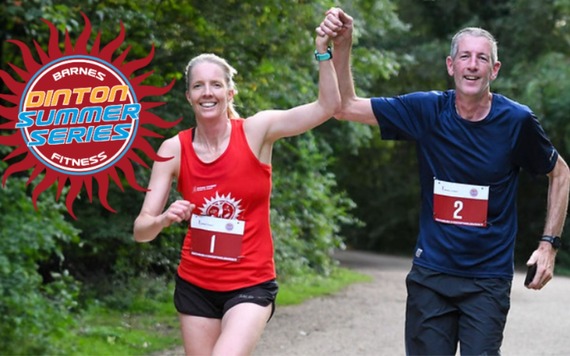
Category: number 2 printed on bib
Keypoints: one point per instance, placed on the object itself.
(461, 204)
(216, 238)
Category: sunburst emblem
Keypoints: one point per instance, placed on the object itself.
(221, 206)
(78, 115)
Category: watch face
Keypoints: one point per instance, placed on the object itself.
(554, 240)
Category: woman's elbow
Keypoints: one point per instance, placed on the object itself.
(140, 230)
(138, 236)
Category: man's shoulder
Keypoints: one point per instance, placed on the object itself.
(419, 101)
(503, 103)
(431, 94)
(432, 98)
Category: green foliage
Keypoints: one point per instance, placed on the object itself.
(303, 287)
(325, 182)
(543, 84)
(275, 70)
(143, 321)
(108, 259)
(149, 323)
(386, 191)
(547, 84)
(34, 307)
(304, 238)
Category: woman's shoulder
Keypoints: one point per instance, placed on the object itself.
(173, 144)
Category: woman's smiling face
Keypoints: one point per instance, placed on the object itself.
(208, 92)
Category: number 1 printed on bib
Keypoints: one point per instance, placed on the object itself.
(216, 237)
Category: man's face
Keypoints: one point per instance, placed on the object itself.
(471, 68)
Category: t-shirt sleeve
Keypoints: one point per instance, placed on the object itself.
(405, 117)
(533, 151)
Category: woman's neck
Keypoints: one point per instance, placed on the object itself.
(211, 141)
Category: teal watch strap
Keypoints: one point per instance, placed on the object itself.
(323, 56)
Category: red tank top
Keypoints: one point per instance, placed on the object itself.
(228, 244)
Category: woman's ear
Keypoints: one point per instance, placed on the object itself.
(188, 97)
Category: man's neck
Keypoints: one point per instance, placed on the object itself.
(473, 109)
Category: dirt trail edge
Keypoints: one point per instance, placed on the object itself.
(368, 318)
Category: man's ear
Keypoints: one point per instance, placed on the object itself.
(495, 71)
(449, 65)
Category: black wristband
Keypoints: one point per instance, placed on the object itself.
(555, 241)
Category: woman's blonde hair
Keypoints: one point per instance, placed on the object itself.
(229, 76)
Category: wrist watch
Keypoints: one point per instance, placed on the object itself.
(323, 56)
(554, 240)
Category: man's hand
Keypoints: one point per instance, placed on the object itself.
(544, 257)
(337, 25)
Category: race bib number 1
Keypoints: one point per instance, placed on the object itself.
(216, 238)
(462, 204)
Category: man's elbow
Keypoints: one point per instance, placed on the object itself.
(565, 175)
(343, 111)
(336, 108)
(561, 172)
(350, 112)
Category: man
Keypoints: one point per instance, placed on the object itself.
(471, 144)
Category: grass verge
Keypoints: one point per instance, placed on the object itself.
(299, 289)
(151, 324)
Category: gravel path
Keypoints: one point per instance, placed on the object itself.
(368, 318)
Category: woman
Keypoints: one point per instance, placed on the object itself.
(225, 286)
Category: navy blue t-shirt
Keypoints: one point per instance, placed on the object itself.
(489, 153)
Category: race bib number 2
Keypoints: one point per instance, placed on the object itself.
(461, 204)
(216, 238)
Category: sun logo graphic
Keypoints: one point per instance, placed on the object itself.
(221, 206)
(79, 115)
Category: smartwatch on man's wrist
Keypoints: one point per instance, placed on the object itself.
(555, 241)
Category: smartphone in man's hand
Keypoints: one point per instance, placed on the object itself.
(530, 273)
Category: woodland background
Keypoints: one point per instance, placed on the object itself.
(334, 187)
